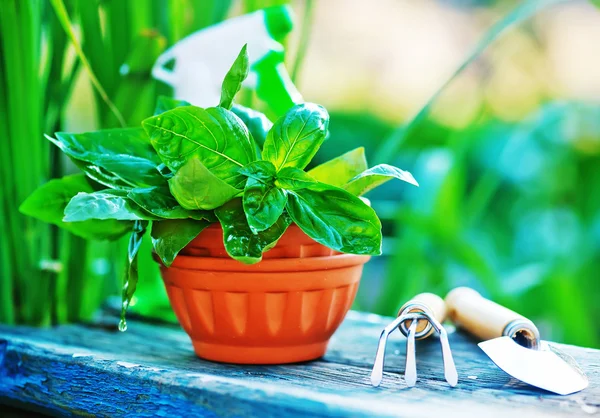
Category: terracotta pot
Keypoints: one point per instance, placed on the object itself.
(281, 310)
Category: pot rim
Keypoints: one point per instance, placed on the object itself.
(184, 262)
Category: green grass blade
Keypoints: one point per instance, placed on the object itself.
(522, 12)
(63, 17)
(307, 20)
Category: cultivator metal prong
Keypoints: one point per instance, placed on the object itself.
(417, 319)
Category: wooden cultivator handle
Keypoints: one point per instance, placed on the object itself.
(428, 302)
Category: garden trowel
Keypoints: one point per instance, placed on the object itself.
(513, 343)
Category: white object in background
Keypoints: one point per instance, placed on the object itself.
(202, 59)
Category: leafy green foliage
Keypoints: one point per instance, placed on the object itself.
(188, 167)
(104, 204)
(113, 157)
(49, 201)
(340, 170)
(263, 200)
(296, 136)
(292, 178)
(240, 242)
(258, 124)
(196, 188)
(335, 218)
(263, 204)
(376, 176)
(170, 236)
(259, 170)
(159, 202)
(234, 78)
(215, 135)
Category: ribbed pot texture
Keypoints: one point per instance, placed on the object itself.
(281, 310)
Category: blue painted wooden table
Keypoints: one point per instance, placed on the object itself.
(151, 370)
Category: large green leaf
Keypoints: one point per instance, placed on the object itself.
(376, 176)
(256, 122)
(100, 175)
(234, 78)
(196, 188)
(170, 236)
(291, 178)
(123, 154)
(240, 242)
(131, 277)
(263, 204)
(159, 202)
(340, 170)
(296, 136)
(49, 201)
(336, 218)
(104, 204)
(215, 135)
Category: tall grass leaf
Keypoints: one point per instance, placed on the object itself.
(522, 12)
(63, 16)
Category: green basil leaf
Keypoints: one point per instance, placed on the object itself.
(296, 136)
(113, 157)
(336, 218)
(291, 178)
(376, 176)
(169, 237)
(241, 244)
(215, 135)
(340, 170)
(263, 204)
(256, 122)
(104, 204)
(164, 103)
(131, 277)
(234, 78)
(195, 187)
(260, 170)
(49, 201)
(159, 202)
(100, 175)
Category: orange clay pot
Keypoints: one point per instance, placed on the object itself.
(281, 310)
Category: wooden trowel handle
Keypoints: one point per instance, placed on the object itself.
(479, 316)
(433, 303)
(486, 319)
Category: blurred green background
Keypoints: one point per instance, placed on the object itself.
(507, 155)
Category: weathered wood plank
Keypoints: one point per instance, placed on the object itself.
(151, 371)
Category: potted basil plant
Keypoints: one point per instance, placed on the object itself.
(260, 258)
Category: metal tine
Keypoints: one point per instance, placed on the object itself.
(377, 372)
(410, 369)
(450, 372)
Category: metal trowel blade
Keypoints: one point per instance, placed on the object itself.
(543, 368)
